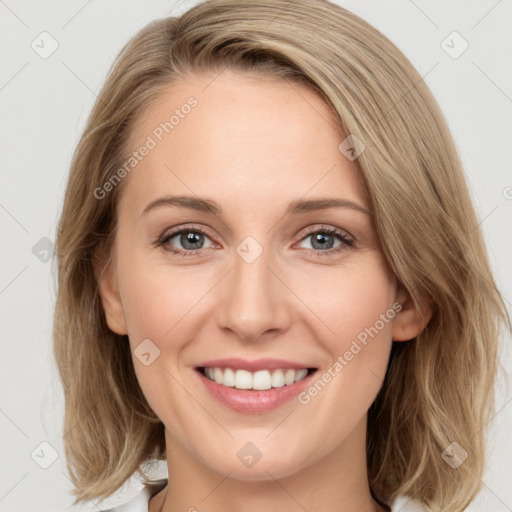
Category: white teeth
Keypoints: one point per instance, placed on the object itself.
(243, 379)
(278, 379)
(217, 374)
(300, 374)
(229, 378)
(259, 380)
(289, 377)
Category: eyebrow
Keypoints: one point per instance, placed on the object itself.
(295, 207)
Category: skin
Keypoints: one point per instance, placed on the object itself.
(253, 144)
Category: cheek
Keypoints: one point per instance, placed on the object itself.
(165, 305)
(157, 298)
(160, 305)
(356, 305)
(353, 299)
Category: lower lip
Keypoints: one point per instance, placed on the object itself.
(251, 401)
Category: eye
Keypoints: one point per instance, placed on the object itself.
(191, 241)
(323, 240)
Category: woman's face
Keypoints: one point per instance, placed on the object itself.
(266, 278)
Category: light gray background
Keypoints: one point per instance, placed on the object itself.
(44, 104)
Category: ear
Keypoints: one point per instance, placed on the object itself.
(106, 277)
(409, 321)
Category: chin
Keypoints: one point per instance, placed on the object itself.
(275, 465)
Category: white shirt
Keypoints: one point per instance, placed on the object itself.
(140, 502)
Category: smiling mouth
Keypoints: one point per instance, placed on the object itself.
(255, 381)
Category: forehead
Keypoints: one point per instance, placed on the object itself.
(248, 135)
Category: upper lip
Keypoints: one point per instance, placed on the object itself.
(252, 365)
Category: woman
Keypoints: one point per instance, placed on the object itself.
(271, 274)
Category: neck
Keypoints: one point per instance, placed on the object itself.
(337, 482)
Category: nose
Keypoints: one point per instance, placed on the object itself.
(254, 301)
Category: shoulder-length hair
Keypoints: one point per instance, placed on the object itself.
(439, 386)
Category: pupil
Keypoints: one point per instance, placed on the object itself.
(190, 238)
(321, 239)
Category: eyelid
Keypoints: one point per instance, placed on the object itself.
(322, 228)
(304, 232)
(186, 227)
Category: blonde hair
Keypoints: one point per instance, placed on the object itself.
(439, 386)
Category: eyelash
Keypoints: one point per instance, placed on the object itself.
(340, 235)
